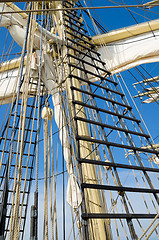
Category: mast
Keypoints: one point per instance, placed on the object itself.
(100, 228)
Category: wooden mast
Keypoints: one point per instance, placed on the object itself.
(98, 229)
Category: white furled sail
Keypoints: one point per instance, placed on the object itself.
(129, 47)
(151, 4)
(152, 93)
(7, 81)
(74, 197)
(16, 25)
(154, 97)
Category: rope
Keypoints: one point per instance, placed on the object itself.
(50, 191)
(54, 214)
(38, 112)
(31, 133)
(14, 222)
(45, 222)
(25, 97)
(157, 215)
(76, 8)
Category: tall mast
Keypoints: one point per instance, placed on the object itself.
(100, 228)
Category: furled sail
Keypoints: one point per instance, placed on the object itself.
(74, 197)
(151, 4)
(152, 93)
(129, 47)
(16, 25)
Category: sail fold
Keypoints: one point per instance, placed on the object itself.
(131, 52)
(16, 24)
(74, 197)
(128, 47)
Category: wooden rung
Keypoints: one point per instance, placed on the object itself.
(118, 145)
(97, 85)
(103, 125)
(117, 165)
(105, 111)
(81, 39)
(117, 216)
(25, 154)
(91, 73)
(83, 47)
(88, 63)
(86, 54)
(119, 189)
(73, 19)
(100, 97)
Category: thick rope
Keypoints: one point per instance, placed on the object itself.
(50, 190)
(54, 214)
(45, 233)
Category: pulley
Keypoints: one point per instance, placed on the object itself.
(47, 113)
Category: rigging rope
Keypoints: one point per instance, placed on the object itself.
(76, 8)
(23, 113)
